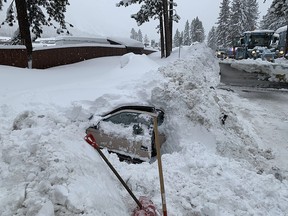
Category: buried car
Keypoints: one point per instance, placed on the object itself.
(128, 131)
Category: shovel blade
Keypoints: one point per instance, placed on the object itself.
(148, 208)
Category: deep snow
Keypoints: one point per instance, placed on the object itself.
(210, 168)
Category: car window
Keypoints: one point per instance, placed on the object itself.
(128, 118)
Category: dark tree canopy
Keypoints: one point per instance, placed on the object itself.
(277, 15)
(197, 30)
(40, 13)
(157, 9)
(212, 38)
(236, 17)
(223, 35)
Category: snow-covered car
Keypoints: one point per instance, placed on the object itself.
(129, 132)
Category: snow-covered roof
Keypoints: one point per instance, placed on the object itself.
(82, 39)
(75, 45)
(259, 31)
(12, 47)
(128, 42)
(4, 38)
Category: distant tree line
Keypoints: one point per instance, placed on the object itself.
(238, 16)
(137, 35)
(235, 17)
(192, 32)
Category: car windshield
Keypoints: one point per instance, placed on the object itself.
(128, 118)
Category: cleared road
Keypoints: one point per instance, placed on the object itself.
(268, 111)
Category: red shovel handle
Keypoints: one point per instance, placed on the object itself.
(89, 138)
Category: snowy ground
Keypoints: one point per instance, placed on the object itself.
(210, 168)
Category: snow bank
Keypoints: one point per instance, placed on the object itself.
(277, 71)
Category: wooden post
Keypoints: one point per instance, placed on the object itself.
(162, 188)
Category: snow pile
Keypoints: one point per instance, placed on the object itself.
(277, 71)
(212, 160)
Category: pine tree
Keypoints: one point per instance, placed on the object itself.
(237, 20)
(181, 38)
(252, 14)
(197, 30)
(157, 9)
(212, 38)
(177, 37)
(153, 43)
(223, 34)
(133, 34)
(186, 39)
(277, 15)
(146, 41)
(139, 36)
(41, 13)
(33, 14)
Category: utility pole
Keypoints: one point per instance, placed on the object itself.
(24, 28)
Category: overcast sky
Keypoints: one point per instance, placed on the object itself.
(104, 18)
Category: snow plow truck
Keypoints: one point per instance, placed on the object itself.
(255, 44)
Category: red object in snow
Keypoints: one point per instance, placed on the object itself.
(148, 208)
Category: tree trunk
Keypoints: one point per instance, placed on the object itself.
(166, 27)
(162, 37)
(171, 24)
(24, 28)
(286, 44)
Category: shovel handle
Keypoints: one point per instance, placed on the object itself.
(89, 138)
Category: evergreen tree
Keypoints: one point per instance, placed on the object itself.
(192, 31)
(238, 20)
(157, 9)
(177, 38)
(140, 36)
(32, 15)
(146, 41)
(186, 39)
(277, 15)
(197, 30)
(212, 38)
(40, 13)
(181, 38)
(153, 43)
(223, 34)
(252, 14)
(133, 34)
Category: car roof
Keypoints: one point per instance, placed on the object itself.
(141, 108)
